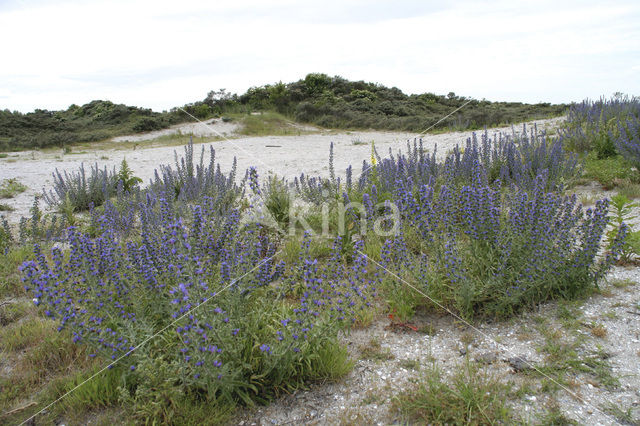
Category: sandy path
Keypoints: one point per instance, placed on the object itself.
(292, 156)
(213, 127)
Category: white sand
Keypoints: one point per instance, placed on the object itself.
(213, 127)
(295, 154)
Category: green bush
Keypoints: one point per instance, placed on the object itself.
(278, 201)
(146, 124)
(610, 172)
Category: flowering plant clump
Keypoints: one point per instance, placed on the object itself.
(203, 286)
(483, 253)
(505, 160)
(190, 181)
(597, 125)
(628, 141)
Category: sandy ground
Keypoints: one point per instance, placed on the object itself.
(287, 156)
(213, 127)
(365, 396)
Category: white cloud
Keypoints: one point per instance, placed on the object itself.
(164, 53)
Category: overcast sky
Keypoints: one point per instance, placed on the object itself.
(161, 54)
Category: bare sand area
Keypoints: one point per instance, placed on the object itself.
(287, 156)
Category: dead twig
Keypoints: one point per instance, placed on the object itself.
(17, 410)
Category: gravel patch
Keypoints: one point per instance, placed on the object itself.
(505, 349)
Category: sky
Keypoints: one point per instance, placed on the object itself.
(161, 54)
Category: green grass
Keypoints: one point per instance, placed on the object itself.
(471, 396)
(610, 172)
(99, 392)
(402, 301)
(622, 283)
(6, 208)
(630, 190)
(11, 311)
(566, 356)
(623, 416)
(553, 416)
(375, 352)
(10, 281)
(25, 334)
(9, 188)
(332, 362)
(268, 124)
(409, 364)
(318, 248)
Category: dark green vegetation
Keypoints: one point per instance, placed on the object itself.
(331, 102)
(97, 120)
(335, 102)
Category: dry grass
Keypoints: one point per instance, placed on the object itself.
(599, 331)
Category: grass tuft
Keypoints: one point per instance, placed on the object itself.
(9, 188)
(268, 124)
(375, 352)
(471, 397)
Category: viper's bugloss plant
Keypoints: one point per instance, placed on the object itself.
(82, 189)
(596, 126)
(204, 286)
(484, 253)
(188, 181)
(500, 160)
(628, 140)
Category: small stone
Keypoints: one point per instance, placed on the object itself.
(487, 358)
(518, 363)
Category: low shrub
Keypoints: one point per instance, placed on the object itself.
(11, 187)
(622, 213)
(278, 200)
